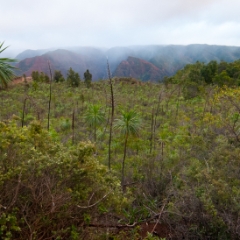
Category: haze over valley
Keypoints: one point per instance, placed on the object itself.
(147, 63)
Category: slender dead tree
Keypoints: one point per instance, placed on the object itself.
(155, 120)
(73, 126)
(23, 111)
(50, 95)
(152, 131)
(112, 117)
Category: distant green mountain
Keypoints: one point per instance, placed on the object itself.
(157, 60)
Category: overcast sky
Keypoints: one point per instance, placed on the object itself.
(32, 24)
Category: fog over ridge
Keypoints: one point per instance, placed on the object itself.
(46, 24)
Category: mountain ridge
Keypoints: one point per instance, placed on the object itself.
(165, 59)
(138, 68)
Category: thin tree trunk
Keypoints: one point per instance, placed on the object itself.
(73, 126)
(95, 132)
(155, 120)
(123, 163)
(162, 158)
(151, 138)
(111, 120)
(206, 105)
(50, 96)
(23, 111)
(177, 108)
(109, 113)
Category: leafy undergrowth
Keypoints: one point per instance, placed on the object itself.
(174, 161)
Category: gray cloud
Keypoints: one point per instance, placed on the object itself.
(44, 24)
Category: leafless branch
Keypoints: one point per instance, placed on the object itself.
(90, 206)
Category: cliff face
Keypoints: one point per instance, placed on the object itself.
(28, 65)
(140, 69)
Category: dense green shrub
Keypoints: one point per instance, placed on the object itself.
(47, 188)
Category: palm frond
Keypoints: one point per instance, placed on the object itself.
(129, 123)
(6, 69)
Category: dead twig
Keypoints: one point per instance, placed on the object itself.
(94, 204)
(159, 217)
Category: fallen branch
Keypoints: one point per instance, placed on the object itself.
(84, 207)
(159, 217)
(111, 226)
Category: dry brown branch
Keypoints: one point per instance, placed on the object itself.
(159, 217)
(17, 190)
(85, 207)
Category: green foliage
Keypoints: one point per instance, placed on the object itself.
(209, 71)
(188, 179)
(8, 226)
(59, 183)
(40, 77)
(220, 74)
(94, 117)
(88, 78)
(129, 123)
(58, 77)
(6, 69)
(224, 79)
(151, 237)
(191, 90)
(73, 78)
(65, 125)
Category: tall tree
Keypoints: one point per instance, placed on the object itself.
(128, 124)
(40, 77)
(73, 78)
(6, 69)
(35, 76)
(58, 77)
(209, 71)
(88, 78)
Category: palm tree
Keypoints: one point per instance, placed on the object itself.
(6, 70)
(128, 124)
(94, 117)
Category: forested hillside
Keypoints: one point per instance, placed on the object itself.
(118, 158)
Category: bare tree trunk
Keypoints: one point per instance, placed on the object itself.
(109, 112)
(23, 111)
(155, 120)
(73, 126)
(123, 163)
(152, 131)
(162, 158)
(177, 108)
(112, 117)
(50, 96)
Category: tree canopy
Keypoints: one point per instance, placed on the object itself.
(88, 78)
(73, 78)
